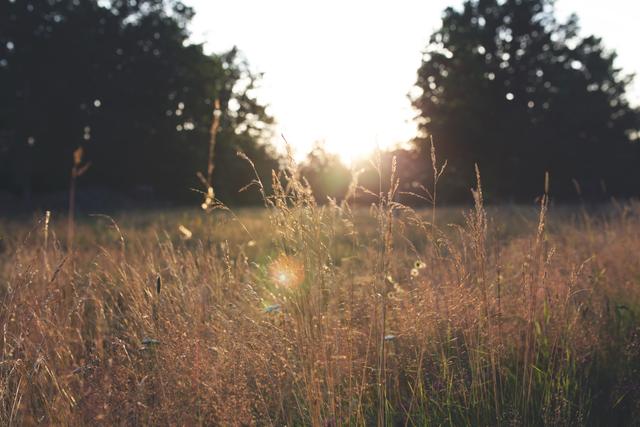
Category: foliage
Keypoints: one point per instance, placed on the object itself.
(506, 85)
(121, 79)
(326, 174)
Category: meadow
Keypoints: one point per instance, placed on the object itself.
(323, 315)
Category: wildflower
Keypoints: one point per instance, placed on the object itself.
(414, 272)
(272, 308)
(251, 243)
(420, 265)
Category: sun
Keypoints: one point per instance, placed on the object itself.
(350, 154)
(353, 144)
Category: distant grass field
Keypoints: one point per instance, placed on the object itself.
(298, 314)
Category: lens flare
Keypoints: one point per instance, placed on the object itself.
(287, 272)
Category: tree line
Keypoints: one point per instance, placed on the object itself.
(502, 84)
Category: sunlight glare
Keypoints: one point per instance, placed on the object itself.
(286, 272)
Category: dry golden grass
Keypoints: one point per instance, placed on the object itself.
(298, 314)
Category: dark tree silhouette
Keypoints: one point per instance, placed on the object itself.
(121, 79)
(506, 85)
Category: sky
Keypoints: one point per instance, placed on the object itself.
(339, 71)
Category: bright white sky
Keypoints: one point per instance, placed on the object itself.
(338, 71)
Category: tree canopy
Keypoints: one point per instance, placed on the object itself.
(506, 85)
(121, 79)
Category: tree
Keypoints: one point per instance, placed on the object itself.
(121, 79)
(326, 174)
(506, 85)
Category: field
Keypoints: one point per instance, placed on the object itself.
(299, 314)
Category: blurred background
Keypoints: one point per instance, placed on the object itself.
(116, 98)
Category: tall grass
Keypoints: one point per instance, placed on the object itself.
(307, 314)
